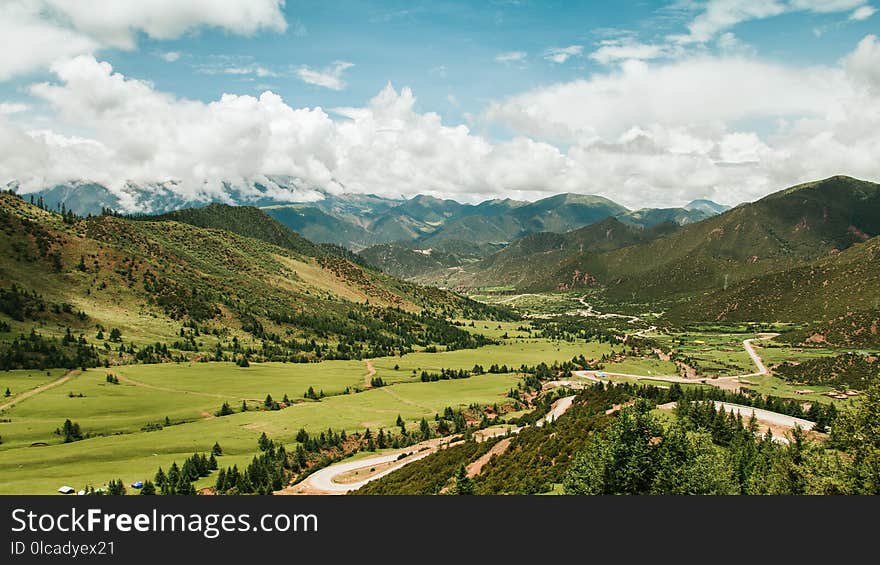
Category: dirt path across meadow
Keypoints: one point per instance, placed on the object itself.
(371, 372)
(42, 388)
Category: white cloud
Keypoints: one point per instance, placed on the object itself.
(729, 44)
(720, 15)
(328, 77)
(233, 65)
(614, 50)
(863, 64)
(648, 131)
(170, 56)
(826, 6)
(511, 57)
(32, 43)
(863, 13)
(45, 31)
(701, 90)
(717, 16)
(563, 54)
(116, 23)
(7, 108)
(642, 135)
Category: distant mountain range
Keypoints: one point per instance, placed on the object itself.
(808, 254)
(358, 221)
(782, 231)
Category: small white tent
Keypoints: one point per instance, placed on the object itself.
(66, 489)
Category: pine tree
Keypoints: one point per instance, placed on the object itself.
(220, 484)
(425, 429)
(8, 392)
(149, 488)
(264, 443)
(160, 478)
(115, 488)
(217, 450)
(464, 486)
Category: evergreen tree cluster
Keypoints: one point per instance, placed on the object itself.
(179, 479)
(34, 351)
(266, 473)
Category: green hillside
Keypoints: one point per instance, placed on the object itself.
(178, 291)
(527, 260)
(780, 232)
(614, 440)
(821, 290)
(243, 220)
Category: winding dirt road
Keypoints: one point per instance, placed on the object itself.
(721, 382)
(371, 372)
(42, 388)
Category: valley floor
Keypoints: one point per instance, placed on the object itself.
(153, 415)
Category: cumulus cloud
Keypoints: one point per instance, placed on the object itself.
(117, 23)
(642, 134)
(170, 56)
(140, 135)
(563, 54)
(660, 133)
(32, 42)
(45, 31)
(700, 90)
(328, 77)
(863, 64)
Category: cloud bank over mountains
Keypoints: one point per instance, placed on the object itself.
(646, 131)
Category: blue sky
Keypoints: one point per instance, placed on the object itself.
(521, 75)
(447, 48)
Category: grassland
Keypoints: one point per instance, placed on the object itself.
(25, 380)
(513, 353)
(33, 459)
(189, 395)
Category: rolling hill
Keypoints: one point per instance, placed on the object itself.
(162, 281)
(780, 232)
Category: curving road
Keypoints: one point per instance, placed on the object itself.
(747, 344)
(767, 416)
(323, 480)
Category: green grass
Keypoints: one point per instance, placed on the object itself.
(770, 385)
(512, 353)
(775, 354)
(130, 454)
(24, 380)
(497, 330)
(254, 382)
